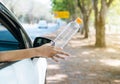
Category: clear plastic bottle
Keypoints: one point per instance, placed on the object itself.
(65, 35)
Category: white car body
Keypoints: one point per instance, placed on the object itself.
(24, 72)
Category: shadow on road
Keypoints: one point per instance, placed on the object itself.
(87, 64)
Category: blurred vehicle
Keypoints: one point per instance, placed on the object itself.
(14, 37)
(42, 24)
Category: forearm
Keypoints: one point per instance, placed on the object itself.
(45, 51)
(17, 55)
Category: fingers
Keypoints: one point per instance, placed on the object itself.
(62, 53)
(54, 59)
(57, 56)
(57, 48)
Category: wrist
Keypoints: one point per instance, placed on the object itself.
(37, 52)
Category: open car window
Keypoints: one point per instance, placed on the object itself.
(12, 35)
(7, 42)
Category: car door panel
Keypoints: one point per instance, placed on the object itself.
(22, 72)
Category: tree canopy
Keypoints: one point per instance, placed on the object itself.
(64, 5)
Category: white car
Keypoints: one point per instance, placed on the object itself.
(14, 37)
(42, 24)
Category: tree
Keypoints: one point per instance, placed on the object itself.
(64, 5)
(100, 9)
(9, 4)
(85, 7)
(29, 11)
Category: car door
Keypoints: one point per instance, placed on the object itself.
(19, 71)
(12, 34)
(13, 37)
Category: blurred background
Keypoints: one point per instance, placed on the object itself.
(95, 56)
(30, 11)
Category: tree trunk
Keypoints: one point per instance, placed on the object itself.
(86, 22)
(85, 9)
(100, 25)
(100, 33)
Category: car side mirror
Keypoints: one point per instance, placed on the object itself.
(39, 41)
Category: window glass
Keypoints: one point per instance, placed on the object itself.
(7, 40)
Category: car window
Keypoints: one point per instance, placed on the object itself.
(7, 40)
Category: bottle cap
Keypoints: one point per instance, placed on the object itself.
(78, 20)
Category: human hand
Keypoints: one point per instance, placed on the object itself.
(53, 52)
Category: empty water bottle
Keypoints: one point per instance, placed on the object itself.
(66, 34)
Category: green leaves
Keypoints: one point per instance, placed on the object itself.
(64, 5)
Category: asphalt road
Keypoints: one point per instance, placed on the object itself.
(33, 31)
